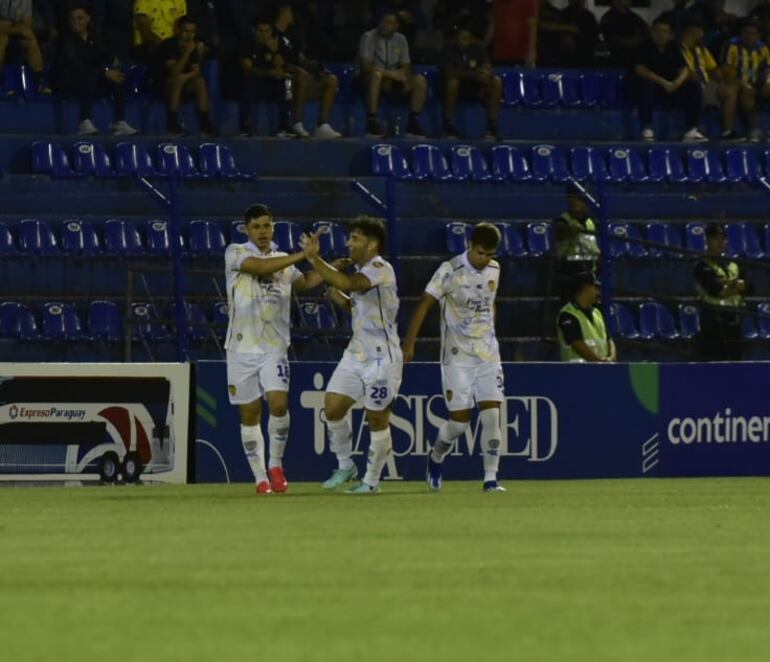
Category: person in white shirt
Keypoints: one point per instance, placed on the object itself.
(371, 366)
(471, 371)
(260, 281)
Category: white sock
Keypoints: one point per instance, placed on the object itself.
(278, 431)
(254, 447)
(379, 450)
(341, 441)
(490, 441)
(447, 434)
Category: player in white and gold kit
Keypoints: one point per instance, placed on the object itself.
(260, 281)
(370, 369)
(471, 371)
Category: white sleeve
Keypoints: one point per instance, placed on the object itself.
(295, 274)
(437, 284)
(378, 272)
(235, 254)
(405, 59)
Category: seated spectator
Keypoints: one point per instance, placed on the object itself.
(514, 32)
(746, 65)
(154, 22)
(410, 16)
(623, 32)
(85, 69)
(467, 73)
(309, 79)
(177, 71)
(383, 67)
(663, 78)
(567, 37)
(16, 33)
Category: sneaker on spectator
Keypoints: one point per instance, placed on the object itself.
(175, 128)
(123, 128)
(755, 136)
(732, 137)
(300, 130)
(414, 130)
(326, 131)
(648, 135)
(44, 89)
(286, 133)
(87, 128)
(374, 129)
(694, 136)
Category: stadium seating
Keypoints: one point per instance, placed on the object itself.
(539, 239)
(134, 159)
(158, 235)
(79, 239)
(176, 159)
(549, 164)
(145, 323)
(238, 232)
(105, 322)
(389, 160)
(17, 322)
(621, 322)
(663, 233)
(316, 317)
(332, 238)
(91, 160)
(7, 244)
(656, 321)
(562, 88)
(287, 236)
(468, 163)
(122, 238)
(220, 318)
(205, 238)
(51, 159)
(511, 241)
(216, 160)
(704, 165)
(748, 328)
(689, 321)
(37, 238)
(626, 165)
(60, 321)
(589, 164)
(695, 237)
(743, 165)
(428, 163)
(666, 165)
(763, 321)
(457, 237)
(509, 164)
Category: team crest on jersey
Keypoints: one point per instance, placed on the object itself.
(233, 390)
(449, 395)
(491, 285)
(378, 265)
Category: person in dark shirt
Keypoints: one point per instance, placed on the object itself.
(567, 37)
(623, 31)
(467, 73)
(661, 77)
(85, 69)
(177, 70)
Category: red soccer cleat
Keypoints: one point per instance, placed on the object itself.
(264, 488)
(277, 480)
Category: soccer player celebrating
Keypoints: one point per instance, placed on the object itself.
(371, 366)
(260, 280)
(471, 369)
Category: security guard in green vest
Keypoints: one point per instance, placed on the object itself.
(580, 326)
(720, 287)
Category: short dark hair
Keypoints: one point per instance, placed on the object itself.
(666, 18)
(186, 19)
(84, 6)
(255, 211)
(371, 227)
(485, 235)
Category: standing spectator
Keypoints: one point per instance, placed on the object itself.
(746, 64)
(623, 31)
(309, 78)
(86, 69)
(154, 22)
(16, 28)
(467, 73)
(579, 49)
(384, 67)
(177, 68)
(410, 16)
(514, 32)
(662, 77)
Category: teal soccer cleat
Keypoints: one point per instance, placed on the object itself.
(340, 477)
(363, 488)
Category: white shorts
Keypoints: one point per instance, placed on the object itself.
(465, 385)
(250, 376)
(377, 383)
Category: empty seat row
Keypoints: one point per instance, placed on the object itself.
(556, 164)
(531, 88)
(91, 159)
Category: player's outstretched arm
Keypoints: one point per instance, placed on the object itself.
(264, 266)
(330, 275)
(415, 324)
(313, 279)
(339, 299)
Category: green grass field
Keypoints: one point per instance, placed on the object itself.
(591, 570)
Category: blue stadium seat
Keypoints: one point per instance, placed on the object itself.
(134, 159)
(37, 238)
(561, 89)
(176, 159)
(509, 164)
(61, 321)
(220, 319)
(158, 234)
(626, 165)
(619, 240)
(695, 237)
(591, 89)
(469, 163)
(51, 159)
(333, 238)
(549, 164)
(198, 326)
(91, 159)
(748, 328)
(704, 165)
(752, 247)
(122, 238)
(429, 163)
(621, 322)
(743, 165)
(656, 321)
(511, 241)
(316, 316)
(513, 90)
(689, 320)
(238, 232)
(635, 247)
(7, 245)
(105, 322)
(205, 238)
(763, 322)
(10, 83)
(457, 234)
(344, 73)
(736, 240)
(663, 233)
(389, 160)
(216, 160)
(79, 239)
(145, 323)
(287, 235)
(539, 238)
(613, 84)
(18, 322)
(136, 79)
(666, 165)
(589, 164)
(531, 88)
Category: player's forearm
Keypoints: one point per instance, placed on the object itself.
(309, 281)
(585, 352)
(269, 265)
(338, 299)
(330, 275)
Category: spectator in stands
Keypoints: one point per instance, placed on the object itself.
(624, 32)
(580, 327)
(154, 22)
(720, 287)
(663, 78)
(514, 32)
(16, 32)
(410, 16)
(704, 69)
(747, 65)
(85, 69)
(567, 37)
(383, 67)
(177, 70)
(467, 73)
(450, 15)
(309, 78)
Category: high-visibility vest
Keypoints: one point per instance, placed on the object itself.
(731, 272)
(593, 330)
(581, 247)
